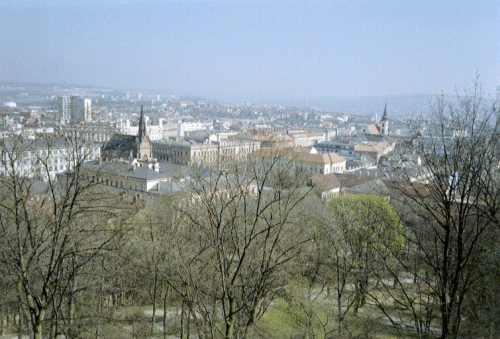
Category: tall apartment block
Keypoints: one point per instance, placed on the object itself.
(74, 108)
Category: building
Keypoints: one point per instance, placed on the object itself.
(87, 108)
(130, 147)
(382, 128)
(345, 149)
(304, 139)
(43, 158)
(74, 108)
(155, 132)
(127, 162)
(374, 150)
(300, 159)
(65, 107)
(210, 152)
(327, 186)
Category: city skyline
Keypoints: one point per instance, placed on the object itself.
(236, 50)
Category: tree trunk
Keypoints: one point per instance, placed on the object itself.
(20, 321)
(153, 318)
(165, 314)
(37, 324)
(231, 318)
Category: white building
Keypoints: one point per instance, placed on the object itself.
(300, 159)
(183, 127)
(43, 158)
(65, 107)
(87, 108)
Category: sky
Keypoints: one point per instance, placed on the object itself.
(291, 49)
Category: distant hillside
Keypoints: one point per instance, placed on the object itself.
(397, 105)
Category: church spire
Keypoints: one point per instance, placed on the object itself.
(142, 125)
(384, 117)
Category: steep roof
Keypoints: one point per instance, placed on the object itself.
(326, 181)
(125, 170)
(373, 129)
(384, 117)
(142, 125)
(379, 147)
(121, 142)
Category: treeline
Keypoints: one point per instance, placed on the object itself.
(253, 252)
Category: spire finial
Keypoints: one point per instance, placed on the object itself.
(142, 125)
(384, 117)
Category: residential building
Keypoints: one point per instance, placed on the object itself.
(300, 159)
(345, 149)
(65, 107)
(43, 158)
(74, 108)
(374, 150)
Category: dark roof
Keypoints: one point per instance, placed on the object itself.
(121, 142)
(125, 170)
(375, 186)
(326, 181)
(349, 180)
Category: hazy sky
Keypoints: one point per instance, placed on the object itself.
(285, 48)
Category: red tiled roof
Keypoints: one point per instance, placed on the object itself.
(300, 154)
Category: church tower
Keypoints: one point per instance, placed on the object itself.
(142, 125)
(144, 147)
(384, 123)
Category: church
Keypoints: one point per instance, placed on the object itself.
(127, 162)
(133, 148)
(382, 128)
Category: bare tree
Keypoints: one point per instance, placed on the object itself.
(246, 226)
(50, 230)
(455, 211)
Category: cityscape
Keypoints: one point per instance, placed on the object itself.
(249, 170)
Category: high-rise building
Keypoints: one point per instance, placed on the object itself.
(74, 108)
(65, 107)
(77, 109)
(87, 106)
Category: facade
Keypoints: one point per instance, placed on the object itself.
(74, 109)
(304, 139)
(155, 132)
(374, 151)
(43, 158)
(273, 140)
(190, 152)
(183, 127)
(345, 149)
(65, 107)
(94, 132)
(87, 108)
(301, 160)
